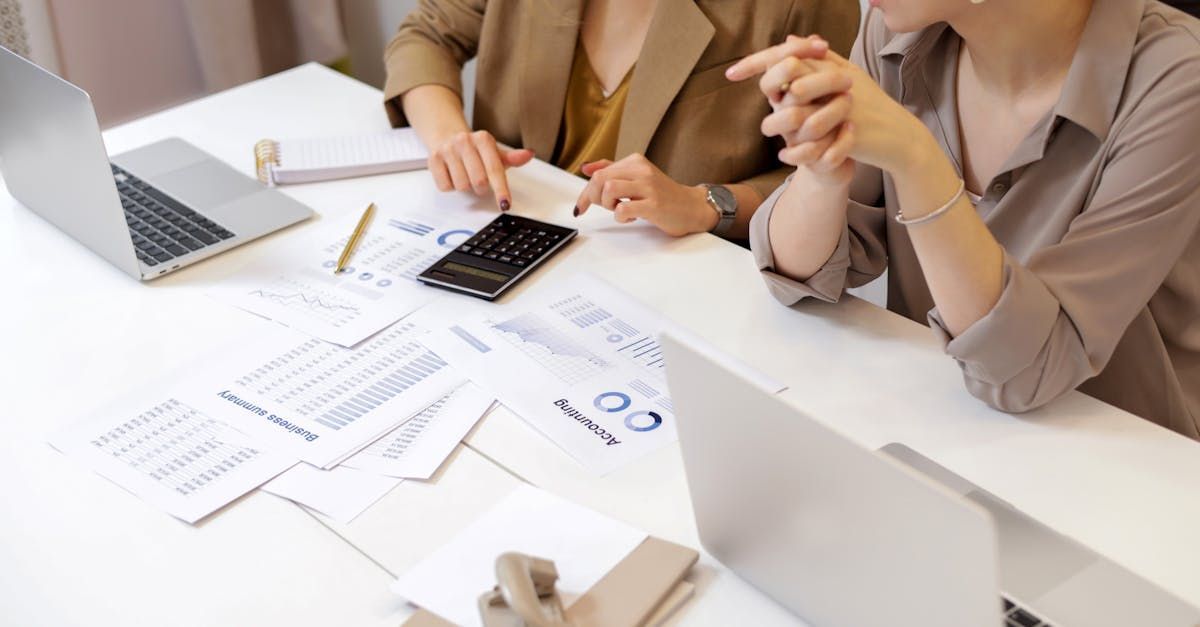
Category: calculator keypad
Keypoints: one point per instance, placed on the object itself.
(511, 242)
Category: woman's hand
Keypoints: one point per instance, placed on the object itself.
(809, 108)
(634, 188)
(473, 161)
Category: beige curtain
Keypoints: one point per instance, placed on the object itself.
(240, 40)
(12, 28)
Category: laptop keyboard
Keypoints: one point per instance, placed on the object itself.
(161, 228)
(1017, 616)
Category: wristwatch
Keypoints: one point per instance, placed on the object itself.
(725, 204)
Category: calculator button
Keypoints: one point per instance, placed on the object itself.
(491, 256)
(527, 255)
(520, 263)
(465, 248)
(478, 252)
(506, 259)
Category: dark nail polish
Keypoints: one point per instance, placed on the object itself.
(575, 211)
(504, 204)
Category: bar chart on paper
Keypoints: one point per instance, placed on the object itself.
(321, 401)
(583, 367)
(640, 348)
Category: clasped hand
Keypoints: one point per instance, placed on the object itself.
(829, 112)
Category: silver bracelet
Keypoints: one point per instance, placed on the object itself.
(933, 215)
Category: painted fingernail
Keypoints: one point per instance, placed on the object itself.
(575, 211)
(504, 204)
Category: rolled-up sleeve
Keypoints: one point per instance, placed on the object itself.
(1061, 314)
(432, 45)
(859, 258)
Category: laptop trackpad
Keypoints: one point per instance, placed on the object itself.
(206, 185)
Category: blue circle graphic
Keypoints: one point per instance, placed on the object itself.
(624, 398)
(615, 337)
(366, 276)
(638, 414)
(330, 264)
(384, 282)
(443, 239)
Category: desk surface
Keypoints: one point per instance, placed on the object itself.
(87, 553)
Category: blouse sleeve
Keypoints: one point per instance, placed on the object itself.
(861, 253)
(431, 47)
(1061, 315)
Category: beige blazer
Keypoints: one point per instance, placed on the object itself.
(681, 112)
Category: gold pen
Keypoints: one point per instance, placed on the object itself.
(354, 237)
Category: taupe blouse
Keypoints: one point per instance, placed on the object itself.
(1098, 211)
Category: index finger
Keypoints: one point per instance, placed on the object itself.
(489, 153)
(804, 48)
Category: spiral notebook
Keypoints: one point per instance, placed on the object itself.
(281, 162)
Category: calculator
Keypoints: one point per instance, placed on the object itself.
(497, 257)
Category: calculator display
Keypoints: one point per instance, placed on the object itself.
(497, 257)
(473, 271)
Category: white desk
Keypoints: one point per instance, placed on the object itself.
(88, 553)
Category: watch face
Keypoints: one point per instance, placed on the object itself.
(723, 199)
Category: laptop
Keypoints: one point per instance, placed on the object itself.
(844, 535)
(150, 211)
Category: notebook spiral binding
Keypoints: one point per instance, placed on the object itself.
(266, 159)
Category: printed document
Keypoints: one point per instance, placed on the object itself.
(170, 455)
(583, 544)
(416, 449)
(340, 493)
(298, 287)
(583, 367)
(317, 401)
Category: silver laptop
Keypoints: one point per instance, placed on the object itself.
(843, 535)
(150, 211)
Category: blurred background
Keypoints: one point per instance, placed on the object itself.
(139, 56)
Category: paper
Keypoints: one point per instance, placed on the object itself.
(298, 287)
(418, 447)
(583, 367)
(583, 544)
(317, 401)
(170, 455)
(341, 493)
(324, 158)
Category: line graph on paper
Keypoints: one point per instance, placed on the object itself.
(308, 300)
(551, 348)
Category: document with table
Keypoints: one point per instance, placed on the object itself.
(582, 366)
(255, 407)
(170, 455)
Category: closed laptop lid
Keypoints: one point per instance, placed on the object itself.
(828, 528)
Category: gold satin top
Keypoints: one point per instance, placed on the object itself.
(591, 121)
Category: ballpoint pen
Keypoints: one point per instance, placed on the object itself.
(354, 237)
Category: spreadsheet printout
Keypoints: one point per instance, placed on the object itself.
(170, 455)
(416, 449)
(318, 401)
